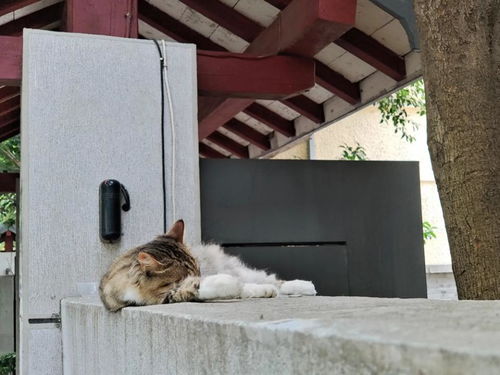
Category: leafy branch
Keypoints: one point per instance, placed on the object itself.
(10, 160)
(353, 153)
(7, 363)
(428, 231)
(393, 109)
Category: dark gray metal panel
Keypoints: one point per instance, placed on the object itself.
(324, 265)
(403, 10)
(374, 207)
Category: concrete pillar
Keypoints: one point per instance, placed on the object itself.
(91, 111)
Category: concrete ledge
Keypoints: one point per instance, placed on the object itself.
(308, 335)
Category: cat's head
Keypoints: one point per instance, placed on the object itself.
(164, 264)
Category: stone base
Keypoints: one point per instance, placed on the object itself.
(307, 335)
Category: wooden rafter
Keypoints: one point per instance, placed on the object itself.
(209, 152)
(303, 28)
(7, 92)
(7, 105)
(271, 119)
(176, 30)
(374, 53)
(179, 32)
(8, 6)
(228, 144)
(365, 48)
(337, 83)
(10, 130)
(306, 107)
(249, 30)
(227, 17)
(249, 134)
(9, 116)
(8, 182)
(235, 75)
(35, 20)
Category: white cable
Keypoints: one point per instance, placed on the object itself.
(172, 126)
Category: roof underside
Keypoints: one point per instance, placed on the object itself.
(370, 60)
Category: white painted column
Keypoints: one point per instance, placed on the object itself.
(91, 110)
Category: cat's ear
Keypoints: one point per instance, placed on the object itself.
(177, 231)
(148, 262)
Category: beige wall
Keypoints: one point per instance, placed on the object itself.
(299, 151)
(381, 143)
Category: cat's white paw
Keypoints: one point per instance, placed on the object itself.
(220, 286)
(298, 287)
(250, 290)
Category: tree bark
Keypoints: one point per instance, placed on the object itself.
(461, 66)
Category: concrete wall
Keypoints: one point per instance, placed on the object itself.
(307, 335)
(6, 313)
(91, 110)
(7, 263)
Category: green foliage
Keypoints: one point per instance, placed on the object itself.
(353, 153)
(393, 109)
(10, 161)
(10, 155)
(428, 231)
(7, 363)
(8, 209)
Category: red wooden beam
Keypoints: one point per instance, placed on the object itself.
(227, 143)
(8, 182)
(280, 4)
(224, 111)
(337, 83)
(305, 27)
(9, 241)
(271, 119)
(36, 20)
(10, 62)
(106, 17)
(210, 153)
(9, 117)
(7, 92)
(249, 29)
(227, 17)
(10, 131)
(238, 75)
(249, 134)
(173, 28)
(306, 107)
(8, 6)
(9, 104)
(374, 53)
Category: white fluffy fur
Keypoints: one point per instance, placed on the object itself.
(220, 286)
(225, 276)
(298, 287)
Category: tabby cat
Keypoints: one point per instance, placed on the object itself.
(165, 270)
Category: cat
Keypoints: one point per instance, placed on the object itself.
(165, 270)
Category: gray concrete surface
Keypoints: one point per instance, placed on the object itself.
(91, 110)
(6, 314)
(307, 335)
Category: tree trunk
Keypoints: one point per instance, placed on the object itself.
(461, 64)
